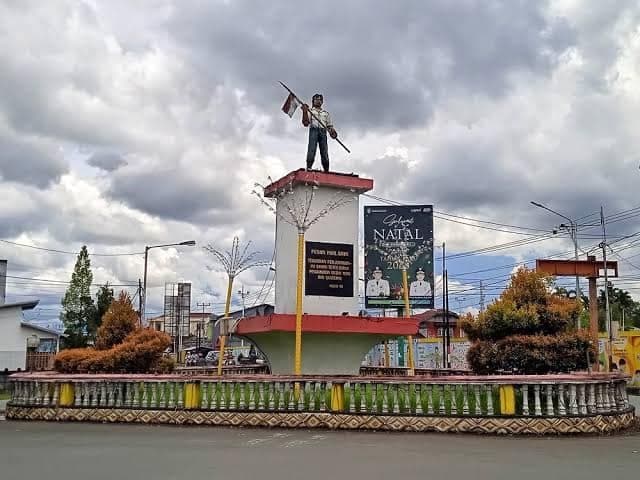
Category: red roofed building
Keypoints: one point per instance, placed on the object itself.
(432, 324)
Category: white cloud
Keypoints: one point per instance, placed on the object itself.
(477, 108)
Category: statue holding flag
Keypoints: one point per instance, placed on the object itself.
(319, 123)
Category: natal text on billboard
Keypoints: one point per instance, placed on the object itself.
(329, 269)
(398, 238)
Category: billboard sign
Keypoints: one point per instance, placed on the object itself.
(397, 237)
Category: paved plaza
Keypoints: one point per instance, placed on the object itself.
(78, 451)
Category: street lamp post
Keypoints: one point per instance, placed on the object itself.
(573, 232)
(190, 243)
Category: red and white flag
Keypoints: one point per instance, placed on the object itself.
(290, 105)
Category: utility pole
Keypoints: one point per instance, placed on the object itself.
(446, 317)
(201, 322)
(481, 297)
(606, 287)
(444, 306)
(140, 301)
(243, 294)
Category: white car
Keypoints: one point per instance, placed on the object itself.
(212, 357)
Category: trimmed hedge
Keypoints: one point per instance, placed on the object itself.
(532, 354)
(141, 352)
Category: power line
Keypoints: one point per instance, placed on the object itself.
(63, 282)
(620, 216)
(490, 222)
(438, 215)
(623, 258)
(496, 248)
(257, 300)
(53, 250)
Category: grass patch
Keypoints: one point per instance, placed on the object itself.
(4, 395)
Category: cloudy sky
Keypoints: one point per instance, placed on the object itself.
(125, 124)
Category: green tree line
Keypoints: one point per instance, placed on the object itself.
(624, 309)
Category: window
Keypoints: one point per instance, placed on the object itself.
(441, 331)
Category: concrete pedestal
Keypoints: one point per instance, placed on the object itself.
(339, 226)
(334, 339)
(331, 345)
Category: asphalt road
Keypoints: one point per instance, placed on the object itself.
(92, 451)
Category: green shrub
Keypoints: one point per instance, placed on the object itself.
(118, 322)
(532, 354)
(141, 352)
(528, 330)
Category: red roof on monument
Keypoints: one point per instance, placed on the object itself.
(335, 180)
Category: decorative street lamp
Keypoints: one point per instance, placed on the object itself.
(234, 262)
(188, 243)
(296, 211)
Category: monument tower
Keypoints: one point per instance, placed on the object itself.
(316, 327)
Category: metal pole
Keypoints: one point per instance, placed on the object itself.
(242, 296)
(573, 232)
(444, 307)
(407, 313)
(201, 322)
(189, 243)
(446, 317)
(144, 284)
(297, 366)
(593, 318)
(224, 319)
(140, 301)
(606, 287)
(574, 236)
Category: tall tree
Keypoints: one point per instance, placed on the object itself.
(78, 308)
(104, 298)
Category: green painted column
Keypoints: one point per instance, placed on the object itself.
(401, 347)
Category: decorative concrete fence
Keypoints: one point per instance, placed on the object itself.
(404, 371)
(227, 369)
(499, 404)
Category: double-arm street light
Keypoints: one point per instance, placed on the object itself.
(188, 243)
(573, 232)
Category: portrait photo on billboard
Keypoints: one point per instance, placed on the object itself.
(397, 237)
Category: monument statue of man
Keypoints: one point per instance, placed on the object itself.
(318, 121)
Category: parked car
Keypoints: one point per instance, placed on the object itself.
(211, 358)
